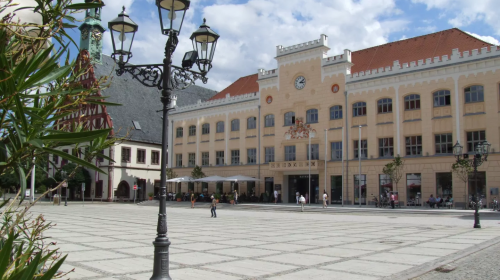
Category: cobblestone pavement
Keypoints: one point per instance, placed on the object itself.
(113, 241)
(482, 265)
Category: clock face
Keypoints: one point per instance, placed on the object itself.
(300, 82)
(96, 34)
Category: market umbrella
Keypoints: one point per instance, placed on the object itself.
(242, 178)
(181, 179)
(211, 179)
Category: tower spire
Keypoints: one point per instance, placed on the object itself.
(91, 32)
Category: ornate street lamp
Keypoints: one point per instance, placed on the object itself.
(480, 155)
(165, 77)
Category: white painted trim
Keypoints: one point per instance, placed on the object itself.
(397, 119)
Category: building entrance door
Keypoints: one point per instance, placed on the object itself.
(336, 191)
(300, 183)
(269, 189)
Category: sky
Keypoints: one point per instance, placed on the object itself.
(250, 30)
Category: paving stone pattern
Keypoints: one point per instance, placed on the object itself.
(113, 241)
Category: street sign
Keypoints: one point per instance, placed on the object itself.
(135, 187)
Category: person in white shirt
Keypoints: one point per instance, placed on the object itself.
(325, 199)
(302, 201)
(297, 195)
(275, 196)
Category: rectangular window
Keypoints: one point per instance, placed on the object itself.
(252, 123)
(141, 156)
(314, 151)
(251, 156)
(191, 159)
(289, 153)
(235, 156)
(178, 160)
(414, 146)
(269, 121)
(444, 143)
(336, 148)
(444, 185)
(219, 158)
(413, 187)
(205, 128)
(269, 154)
(179, 132)
(386, 147)
(192, 130)
(155, 157)
(385, 184)
(219, 127)
(125, 154)
(55, 159)
(205, 158)
(235, 125)
(364, 149)
(64, 161)
(474, 138)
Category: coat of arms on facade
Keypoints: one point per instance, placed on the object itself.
(300, 130)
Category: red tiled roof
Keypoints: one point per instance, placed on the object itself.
(408, 50)
(413, 49)
(242, 86)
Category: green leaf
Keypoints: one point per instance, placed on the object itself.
(5, 253)
(36, 142)
(53, 270)
(74, 159)
(54, 75)
(103, 103)
(76, 137)
(29, 271)
(22, 181)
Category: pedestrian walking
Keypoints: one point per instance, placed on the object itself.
(392, 200)
(302, 201)
(297, 196)
(307, 197)
(192, 200)
(325, 200)
(213, 207)
(235, 197)
(275, 196)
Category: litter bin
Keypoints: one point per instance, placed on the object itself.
(56, 199)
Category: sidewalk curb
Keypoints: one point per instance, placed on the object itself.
(429, 266)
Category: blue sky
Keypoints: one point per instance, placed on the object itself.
(251, 29)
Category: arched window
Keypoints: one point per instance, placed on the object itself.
(180, 132)
(312, 116)
(335, 112)
(442, 98)
(192, 130)
(219, 127)
(412, 102)
(205, 128)
(359, 109)
(289, 118)
(474, 94)
(269, 121)
(235, 125)
(252, 123)
(384, 105)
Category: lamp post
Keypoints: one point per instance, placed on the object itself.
(479, 156)
(165, 77)
(312, 134)
(359, 159)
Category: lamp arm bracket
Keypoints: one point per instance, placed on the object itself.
(151, 75)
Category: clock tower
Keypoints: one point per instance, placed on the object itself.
(91, 33)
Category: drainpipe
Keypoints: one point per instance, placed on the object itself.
(258, 149)
(346, 115)
(110, 174)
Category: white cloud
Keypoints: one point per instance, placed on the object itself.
(465, 12)
(250, 32)
(487, 39)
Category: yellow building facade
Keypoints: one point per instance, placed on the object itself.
(393, 98)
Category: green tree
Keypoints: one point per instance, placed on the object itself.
(197, 173)
(394, 170)
(462, 168)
